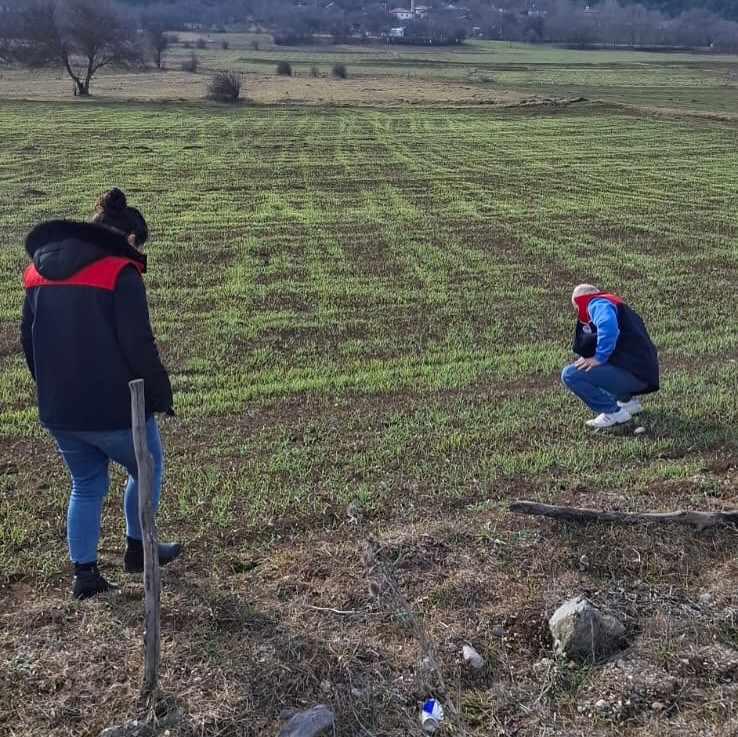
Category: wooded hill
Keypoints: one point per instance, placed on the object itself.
(724, 8)
(258, 8)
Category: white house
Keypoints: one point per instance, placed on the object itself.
(397, 32)
(402, 14)
(416, 11)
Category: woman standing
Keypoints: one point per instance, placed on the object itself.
(86, 333)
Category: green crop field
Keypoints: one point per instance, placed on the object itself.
(365, 312)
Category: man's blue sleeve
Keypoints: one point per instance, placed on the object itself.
(604, 315)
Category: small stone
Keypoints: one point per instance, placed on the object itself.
(602, 705)
(172, 717)
(658, 706)
(310, 723)
(472, 658)
(639, 430)
(583, 562)
(498, 631)
(706, 599)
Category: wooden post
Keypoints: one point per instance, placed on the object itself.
(150, 543)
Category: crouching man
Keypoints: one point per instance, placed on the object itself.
(617, 359)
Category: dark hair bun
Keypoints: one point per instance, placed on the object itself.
(111, 209)
(113, 201)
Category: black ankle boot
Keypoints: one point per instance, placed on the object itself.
(89, 582)
(133, 558)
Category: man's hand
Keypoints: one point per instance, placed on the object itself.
(585, 364)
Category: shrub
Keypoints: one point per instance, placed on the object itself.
(314, 71)
(284, 68)
(224, 86)
(224, 45)
(191, 64)
(201, 43)
(186, 45)
(339, 70)
(255, 45)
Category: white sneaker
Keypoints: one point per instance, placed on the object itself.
(634, 406)
(608, 419)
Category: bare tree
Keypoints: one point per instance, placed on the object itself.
(9, 32)
(82, 36)
(154, 26)
(697, 27)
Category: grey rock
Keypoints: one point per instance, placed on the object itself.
(310, 723)
(580, 630)
(172, 717)
(132, 729)
(706, 599)
(498, 631)
(472, 658)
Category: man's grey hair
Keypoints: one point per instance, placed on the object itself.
(584, 289)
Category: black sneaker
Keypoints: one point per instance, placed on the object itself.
(133, 558)
(90, 582)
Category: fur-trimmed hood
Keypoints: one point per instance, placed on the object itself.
(60, 248)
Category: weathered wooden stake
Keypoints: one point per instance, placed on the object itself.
(150, 543)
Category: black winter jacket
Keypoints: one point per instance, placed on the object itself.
(85, 329)
(634, 349)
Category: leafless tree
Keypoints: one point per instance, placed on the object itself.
(9, 31)
(696, 28)
(155, 27)
(81, 36)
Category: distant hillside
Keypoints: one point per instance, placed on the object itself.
(724, 8)
(322, 14)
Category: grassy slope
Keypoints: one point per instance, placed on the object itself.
(367, 309)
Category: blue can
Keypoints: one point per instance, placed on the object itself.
(431, 716)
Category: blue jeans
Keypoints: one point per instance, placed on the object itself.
(87, 454)
(600, 388)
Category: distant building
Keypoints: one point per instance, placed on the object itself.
(397, 32)
(402, 14)
(415, 11)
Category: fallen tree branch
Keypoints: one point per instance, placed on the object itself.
(699, 520)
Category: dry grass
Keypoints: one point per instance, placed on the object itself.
(300, 623)
(261, 89)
